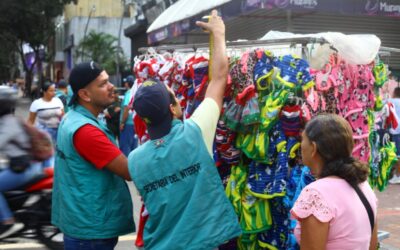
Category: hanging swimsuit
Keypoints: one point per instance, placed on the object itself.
(251, 111)
(263, 71)
(291, 118)
(293, 72)
(277, 237)
(380, 74)
(270, 110)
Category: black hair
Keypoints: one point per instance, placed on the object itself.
(334, 139)
(396, 92)
(130, 83)
(62, 84)
(46, 85)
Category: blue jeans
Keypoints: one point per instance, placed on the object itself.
(10, 180)
(127, 139)
(51, 131)
(71, 243)
(396, 140)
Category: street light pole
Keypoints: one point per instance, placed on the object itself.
(93, 9)
(118, 83)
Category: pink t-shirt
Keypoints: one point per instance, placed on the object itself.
(333, 200)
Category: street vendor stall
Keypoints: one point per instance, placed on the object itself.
(272, 92)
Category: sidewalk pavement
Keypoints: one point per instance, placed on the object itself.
(389, 215)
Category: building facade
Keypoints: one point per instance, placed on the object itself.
(78, 20)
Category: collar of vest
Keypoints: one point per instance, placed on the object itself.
(176, 122)
(86, 113)
(83, 111)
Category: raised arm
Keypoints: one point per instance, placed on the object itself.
(219, 66)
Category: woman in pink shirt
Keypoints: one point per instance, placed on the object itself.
(329, 211)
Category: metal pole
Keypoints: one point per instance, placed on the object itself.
(118, 83)
(93, 9)
(240, 44)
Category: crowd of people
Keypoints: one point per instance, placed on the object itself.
(174, 171)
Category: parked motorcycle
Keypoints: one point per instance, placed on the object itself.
(31, 206)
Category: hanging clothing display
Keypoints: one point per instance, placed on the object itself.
(268, 100)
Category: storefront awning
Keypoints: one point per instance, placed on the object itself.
(182, 10)
(179, 19)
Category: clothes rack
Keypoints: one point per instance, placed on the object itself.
(192, 47)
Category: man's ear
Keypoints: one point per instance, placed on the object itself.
(172, 110)
(84, 95)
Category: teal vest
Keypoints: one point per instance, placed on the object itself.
(87, 203)
(182, 192)
(62, 95)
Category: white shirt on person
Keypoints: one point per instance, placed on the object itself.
(48, 113)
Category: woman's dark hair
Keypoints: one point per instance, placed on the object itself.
(46, 85)
(334, 139)
(396, 92)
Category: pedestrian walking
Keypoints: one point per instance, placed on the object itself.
(128, 141)
(338, 210)
(48, 110)
(62, 93)
(174, 171)
(395, 135)
(91, 202)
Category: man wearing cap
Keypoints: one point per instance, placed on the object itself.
(91, 203)
(62, 93)
(174, 172)
(127, 141)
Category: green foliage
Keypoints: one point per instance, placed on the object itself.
(29, 21)
(102, 48)
(8, 58)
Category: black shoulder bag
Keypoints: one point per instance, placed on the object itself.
(367, 206)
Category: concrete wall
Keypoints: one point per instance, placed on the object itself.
(103, 8)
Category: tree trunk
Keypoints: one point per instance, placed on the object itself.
(28, 83)
(28, 71)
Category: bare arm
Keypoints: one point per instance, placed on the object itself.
(373, 245)
(314, 234)
(219, 70)
(32, 118)
(119, 166)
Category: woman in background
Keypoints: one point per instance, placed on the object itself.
(329, 211)
(395, 135)
(48, 110)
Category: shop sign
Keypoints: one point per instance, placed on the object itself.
(368, 7)
(382, 7)
(241, 7)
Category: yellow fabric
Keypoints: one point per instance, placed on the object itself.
(236, 185)
(256, 214)
(292, 153)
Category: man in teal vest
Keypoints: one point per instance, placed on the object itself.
(62, 93)
(174, 172)
(127, 141)
(91, 202)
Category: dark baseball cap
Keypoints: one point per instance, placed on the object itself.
(151, 103)
(130, 79)
(62, 84)
(81, 75)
